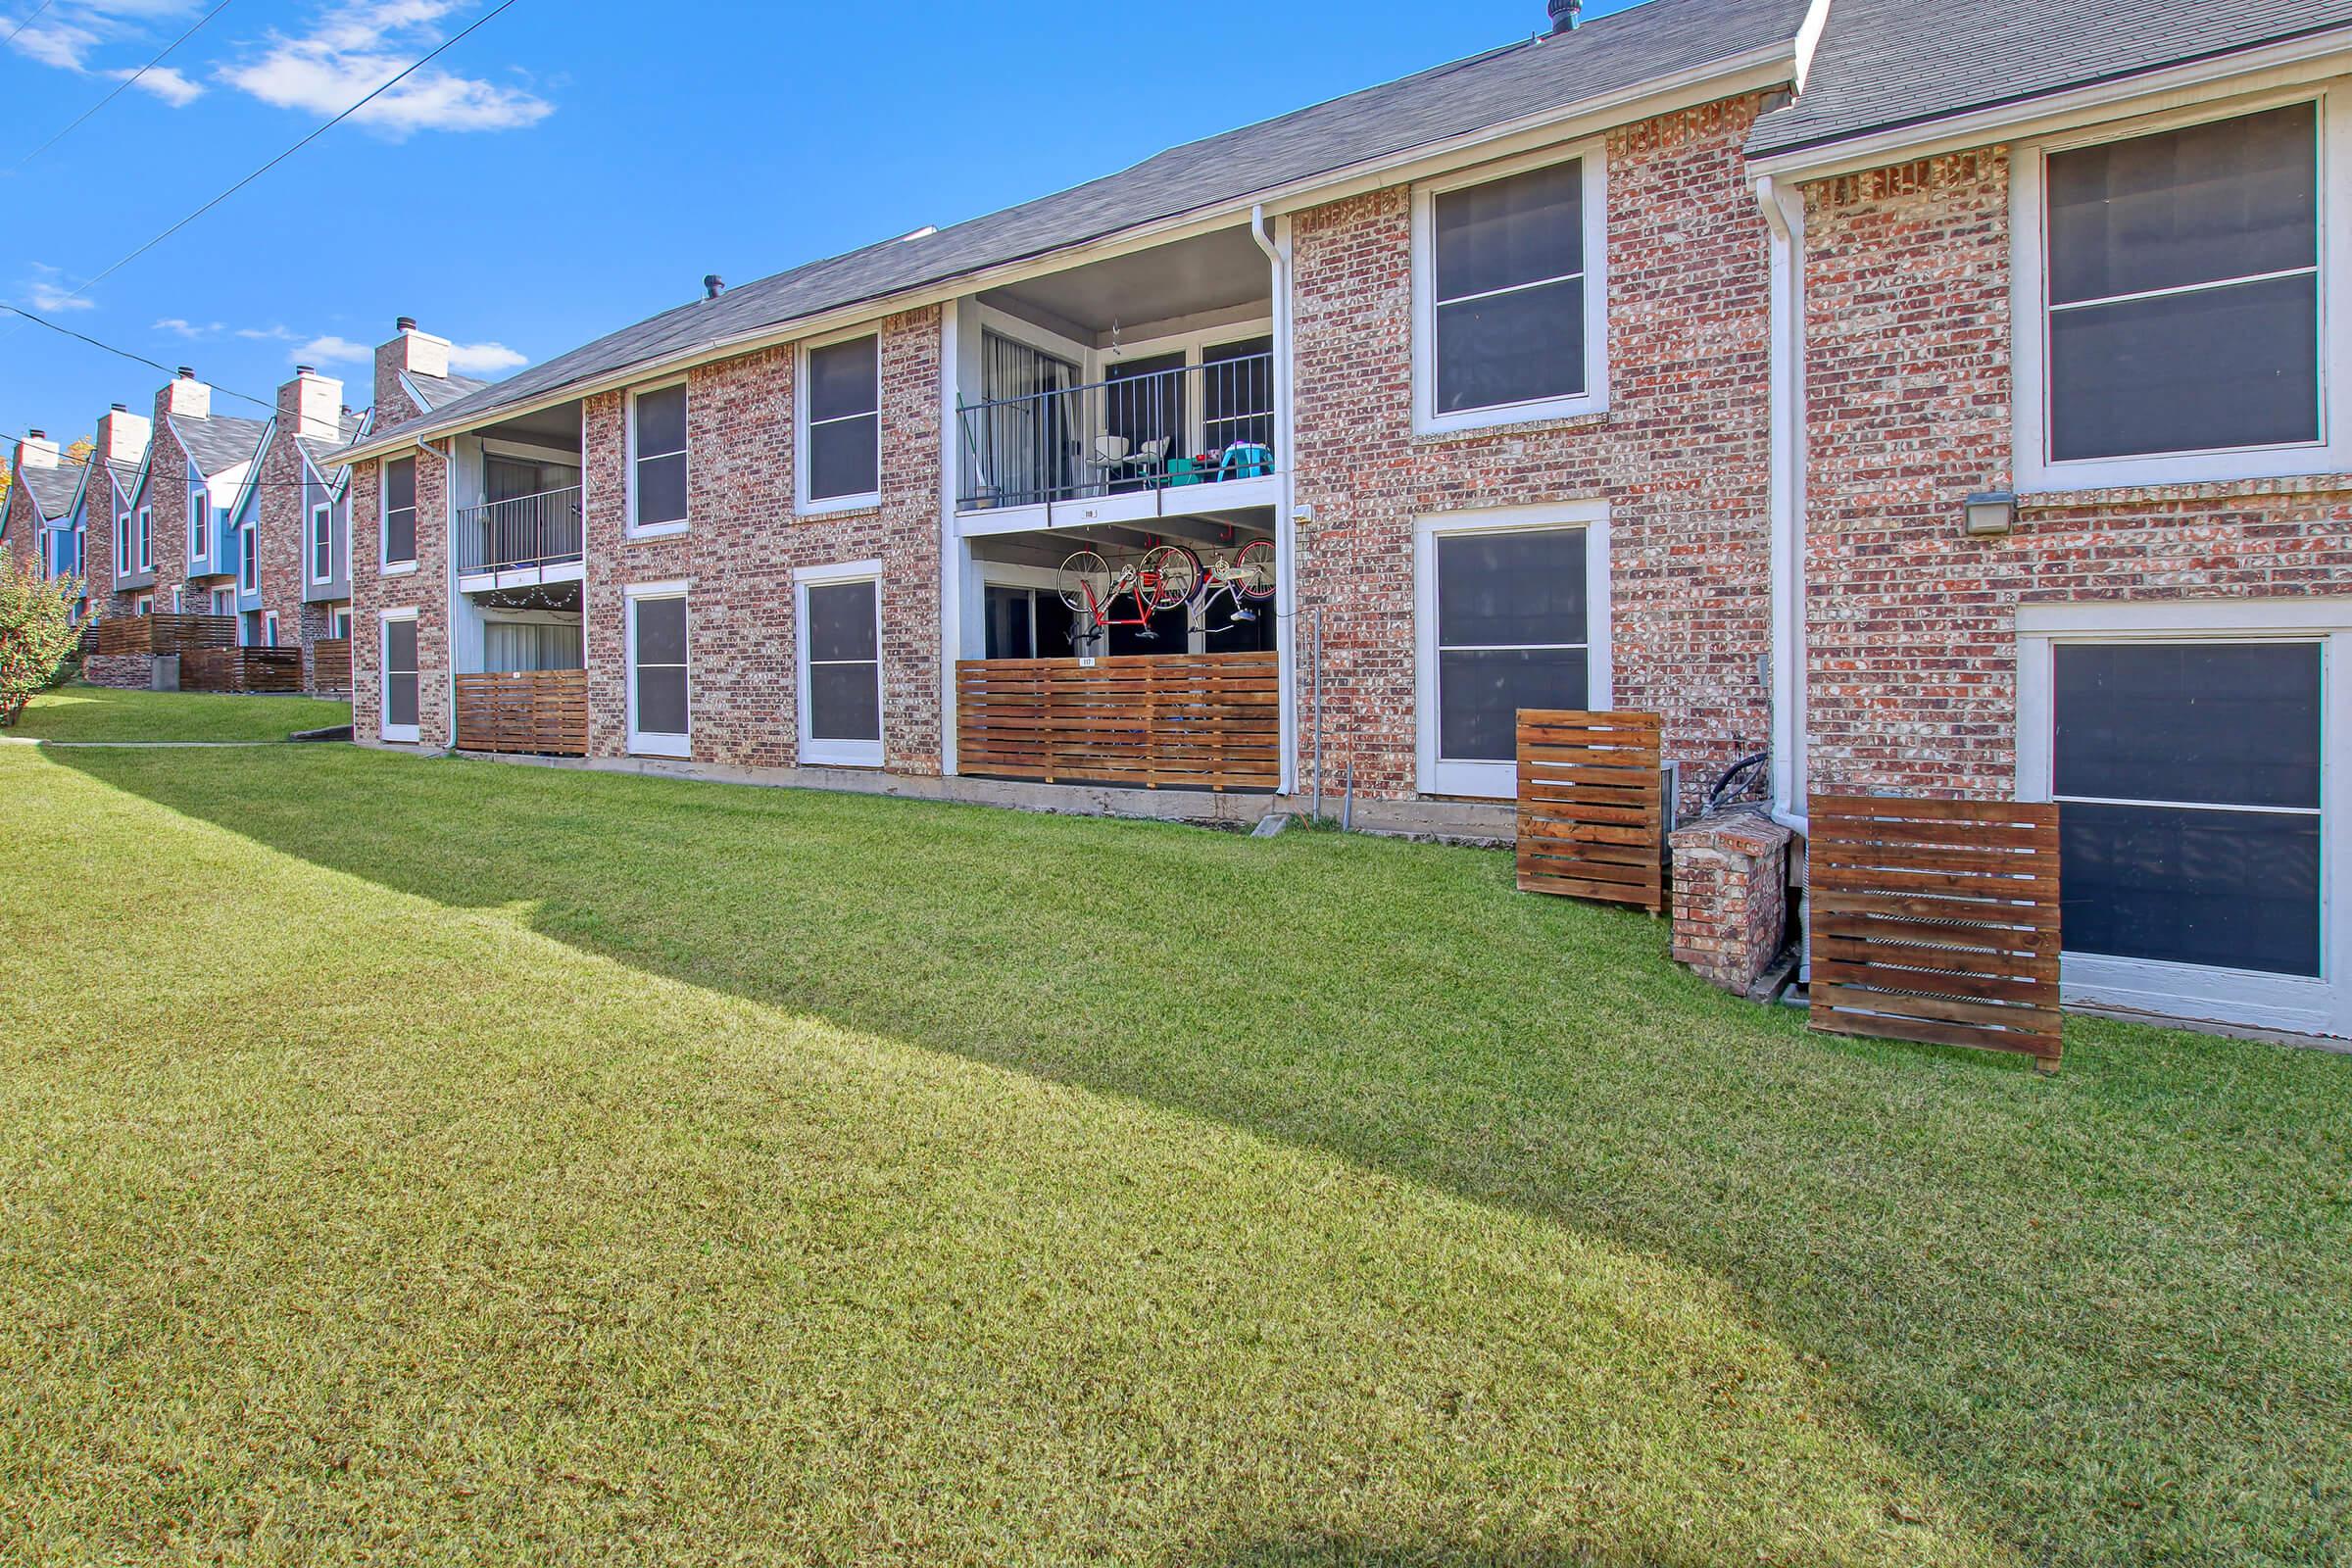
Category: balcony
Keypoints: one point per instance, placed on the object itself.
(1151, 440)
(520, 542)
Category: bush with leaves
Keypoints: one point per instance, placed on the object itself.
(37, 634)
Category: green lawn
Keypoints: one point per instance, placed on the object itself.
(432, 1161)
(101, 713)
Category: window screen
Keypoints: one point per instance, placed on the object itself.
(2184, 289)
(248, 563)
(1509, 290)
(200, 511)
(2190, 825)
(323, 543)
(1511, 633)
(845, 663)
(400, 510)
(400, 672)
(657, 655)
(1237, 393)
(660, 436)
(845, 422)
(1010, 623)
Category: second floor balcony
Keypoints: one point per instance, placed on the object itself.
(521, 541)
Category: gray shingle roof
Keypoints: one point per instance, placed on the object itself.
(440, 391)
(221, 442)
(52, 489)
(1883, 64)
(322, 453)
(1611, 53)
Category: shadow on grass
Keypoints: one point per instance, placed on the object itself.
(2108, 1308)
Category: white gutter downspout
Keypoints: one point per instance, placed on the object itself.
(1285, 535)
(1784, 217)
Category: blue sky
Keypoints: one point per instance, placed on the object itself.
(576, 165)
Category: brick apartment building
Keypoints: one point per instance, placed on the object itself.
(38, 527)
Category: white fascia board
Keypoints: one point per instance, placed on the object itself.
(1759, 69)
(2292, 63)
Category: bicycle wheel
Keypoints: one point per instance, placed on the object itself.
(1170, 574)
(1257, 564)
(1085, 582)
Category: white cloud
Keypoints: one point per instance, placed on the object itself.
(330, 349)
(65, 34)
(163, 83)
(484, 358)
(362, 44)
(47, 290)
(268, 334)
(182, 326)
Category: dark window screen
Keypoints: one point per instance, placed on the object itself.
(1509, 290)
(1009, 633)
(845, 689)
(2227, 363)
(1144, 401)
(660, 674)
(400, 510)
(845, 427)
(1483, 690)
(1237, 393)
(2237, 890)
(661, 495)
(400, 672)
(1502, 599)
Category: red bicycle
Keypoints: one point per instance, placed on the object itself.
(1164, 579)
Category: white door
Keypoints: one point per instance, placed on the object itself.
(659, 717)
(2198, 759)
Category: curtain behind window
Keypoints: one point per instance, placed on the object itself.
(526, 644)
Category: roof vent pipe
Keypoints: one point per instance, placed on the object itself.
(406, 324)
(1563, 14)
(713, 285)
(119, 407)
(38, 436)
(306, 369)
(187, 374)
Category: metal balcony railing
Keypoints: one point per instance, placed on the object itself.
(1155, 430)
(524, 532)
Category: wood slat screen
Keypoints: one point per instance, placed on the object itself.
(330, 665)
(544, 712)
(161, 634)
(1936, 920)
(1207, 722)
(1591, 806)
(240, 669)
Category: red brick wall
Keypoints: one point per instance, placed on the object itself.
(744, 541)
(426, 588)
(1912, 654)
(166, 493)
(1680, 455)
(282, 531)
(23, 529)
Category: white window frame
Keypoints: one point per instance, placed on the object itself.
(338, 623)
(629, 526)
(2331, 453)
(386, 566)
(1486, 779)
(178, 598)
(217, 596)
(268, 629)
(867, 501)
(323, 543)
(249, 553)
(200, 524)
(144, 604)
(2246, 997)
(1594, 399)
(383, 677)
(641, 744)
(146, 539)
(837, 753)
(123, 549)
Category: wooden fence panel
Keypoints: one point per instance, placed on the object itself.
(1936, 920)
(330, 665)
(240, 669)
(1591, 806)
(163, 634)
(1209, 721)
(542, 712)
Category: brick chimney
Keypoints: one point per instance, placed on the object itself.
(36, 451)
(413, 352)
(122, 436)
(311, 406)
(186, 397)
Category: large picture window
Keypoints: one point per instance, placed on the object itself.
(400, 512)
(841, 666)
(842, 430)
(659, 723)
(1512, 307)
(2171, 304)
(658, 465)
(400, 676)
(1508, 617)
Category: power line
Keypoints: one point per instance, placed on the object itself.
(136, 359)
(28, 22)
(124, 85)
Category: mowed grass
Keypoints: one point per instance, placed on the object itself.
(465, 1163)
(77, 712)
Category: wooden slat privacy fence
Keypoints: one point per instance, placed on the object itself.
(542, 711)
(163, 634)
(330, 665)
(1207, 722)
(240, 669)
(1936, 920)
(1591, 806)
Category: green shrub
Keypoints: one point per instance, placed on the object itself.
(37, 634)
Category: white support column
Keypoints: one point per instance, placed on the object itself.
(953, 565)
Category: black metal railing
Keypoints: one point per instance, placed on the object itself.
(524, 532)
(1152, 429)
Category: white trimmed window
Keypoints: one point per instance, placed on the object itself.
(144, 604)
(122, 544)
(1511, 611)
(338, 623)
(225, 602)
(200, 519)
(838, 614)
(322, 542)
(2172, 302)
(400, 676)
(1510, 294)
(400, 513)
(146, 538)
(249, 565)
(660, 723)
(841, 424)
(657, 461)
(270, 628)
